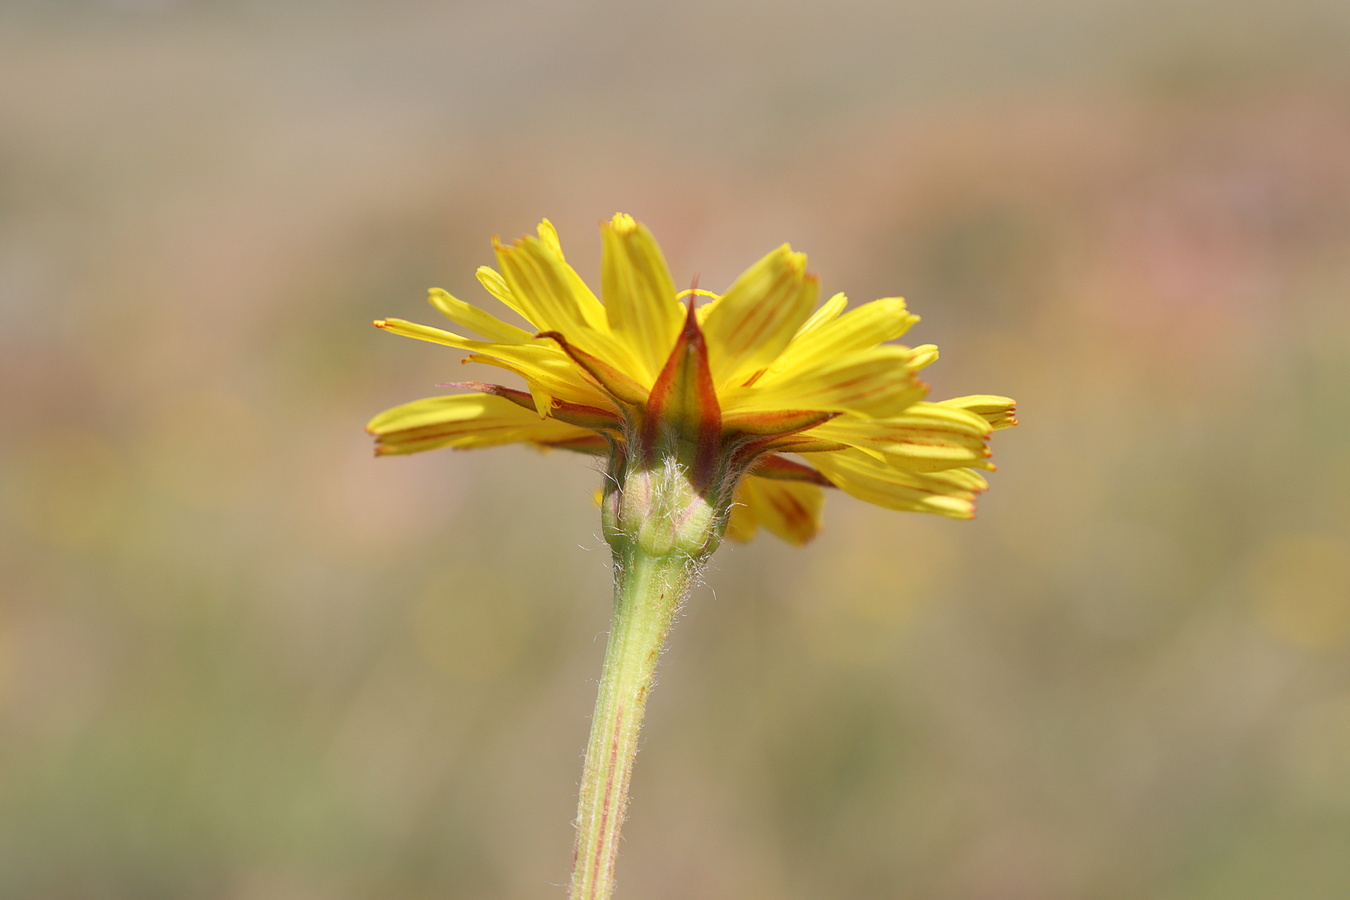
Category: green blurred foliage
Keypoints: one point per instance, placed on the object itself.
(242, 659)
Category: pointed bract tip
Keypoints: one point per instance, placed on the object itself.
(691, 314)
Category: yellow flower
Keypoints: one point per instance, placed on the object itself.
(721, 389)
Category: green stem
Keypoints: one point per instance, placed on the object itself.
(648, 591)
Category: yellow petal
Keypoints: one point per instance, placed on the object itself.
(950, 493)
(549, 235)
(789, 509)
(875, 382)
(493, 282)
(757, 317)
(541, 363)
(547, 376)
(639, 294)
(1000, 412)
(828, 312)
(547, 291)
(551, 296)
(741, 522)
(863, 328)
(927, 437)
(467, 316)
(924, 356)
(426, 333)
(590, 307)
(464, 421)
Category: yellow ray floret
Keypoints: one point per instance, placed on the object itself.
(791, 510)
(927, 437)
(465, 421)
(950, 493)
(727, 384)
(639, 294)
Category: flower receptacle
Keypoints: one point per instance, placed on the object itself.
(658, 511)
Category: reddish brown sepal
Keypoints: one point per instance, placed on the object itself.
(609, 379)
(682, 410)
(519, 398)
(783, 469)
(775, 423)
(572, 413)
(591, 445)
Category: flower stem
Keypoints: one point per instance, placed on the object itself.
(648, 591)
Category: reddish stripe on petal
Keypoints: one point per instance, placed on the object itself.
(798, 521)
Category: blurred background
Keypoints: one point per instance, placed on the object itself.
(242, 659)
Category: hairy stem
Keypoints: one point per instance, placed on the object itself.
(648, 591)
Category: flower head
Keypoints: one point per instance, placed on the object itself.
(714, 413)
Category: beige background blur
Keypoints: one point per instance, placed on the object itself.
(242, 659)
